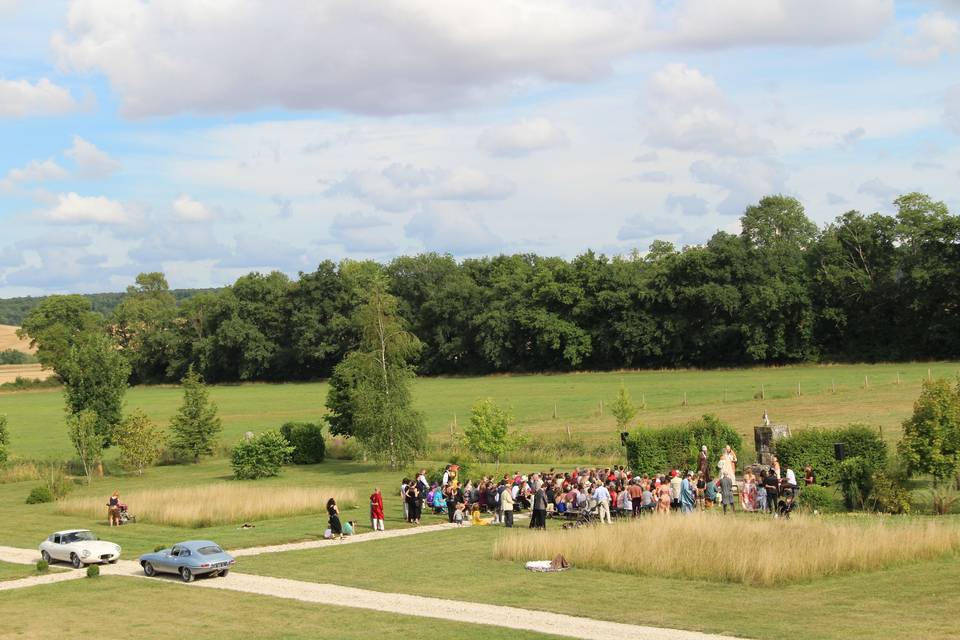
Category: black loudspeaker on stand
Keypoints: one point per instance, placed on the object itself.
(839, 451)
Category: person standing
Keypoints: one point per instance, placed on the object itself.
(538, 517)
(703, 464)
(687, 495)
(376, 510)
(808, 476)
(636, 496)
(506, 507)
(333, 514)
(726, 492)
(771, 486)
(412, 499)
(675, 482)
(602, 495)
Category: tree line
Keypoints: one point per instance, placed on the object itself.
(863, 287)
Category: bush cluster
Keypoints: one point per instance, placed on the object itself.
(656, 450)
(815, 447)
(816, 498)
(39, 495)
(306, 438)
(260, 456)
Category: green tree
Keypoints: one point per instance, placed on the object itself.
(55, 324)
(260, 456)
(95, 378)
(488, 437)
(931, 436)
(4, 440)
(143, 325)
(379, 373)
(623, 409)
(139, 440)
(87, 442)
(195, 427)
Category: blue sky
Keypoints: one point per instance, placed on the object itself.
(210, 139)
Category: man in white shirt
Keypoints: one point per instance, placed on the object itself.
(602, 496)
(792, 482)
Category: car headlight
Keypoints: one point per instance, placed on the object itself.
(85, 553)
(116, 548)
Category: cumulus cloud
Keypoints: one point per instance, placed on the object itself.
(63, 264)
(92, 163)
(934, 35)
(648, 228)
(745, 180)
(450, 228)
(687, 205)
(401, 187)
(402, 56)
(176, 243)
(186, 209)
(362, 232)
(258, 251)
(521, 138)
(20, 98)
(34, 171)
(686, 110)
(72, 208)
(835, 199)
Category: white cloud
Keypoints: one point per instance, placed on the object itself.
(259, 251)
(646, 229)
(362, 232)
(835, 199)
(92, 163)
(19, 98)
(687, 205)
(726, 23)
(402, 56)
(686, 110)
(400, 187)
(522, 138)
(745, 181)
(186, 209)
(450, 228)
(34, 171)
(934, 35)
(879, 189)
(175, 243)
(651, 176)
(850, 139)
(951, 109)
(76, 209)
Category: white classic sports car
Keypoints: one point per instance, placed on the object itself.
(78, 547)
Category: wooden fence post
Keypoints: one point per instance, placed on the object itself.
(684, 398)
(798, 388)
(554, 410)
(763, 393)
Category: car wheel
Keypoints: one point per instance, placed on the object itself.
(75, 561)
(148, 570)
(46, 557)
(223, 574)
(186, 575)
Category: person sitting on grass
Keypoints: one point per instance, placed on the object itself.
(475, 518)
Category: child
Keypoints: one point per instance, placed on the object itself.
(458, 515)
(475, 518)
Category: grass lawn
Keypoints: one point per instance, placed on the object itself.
(13, 571)
(37, 428)
(112, 607)
(24, 525)
(902, 602)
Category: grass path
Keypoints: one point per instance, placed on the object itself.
(398, 603)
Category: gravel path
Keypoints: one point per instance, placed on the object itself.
(399, 603)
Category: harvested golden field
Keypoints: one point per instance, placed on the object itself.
(756, 551)
(214, 504)
(9, 340)
(10, 372)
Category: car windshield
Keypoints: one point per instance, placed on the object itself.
(77, 536)
(209, 551)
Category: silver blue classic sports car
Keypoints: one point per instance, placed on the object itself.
(188, 559)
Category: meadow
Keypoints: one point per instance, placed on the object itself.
(549, 407)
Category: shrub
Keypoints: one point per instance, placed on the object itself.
(889, 494)
(93, 570)
(4, 439)
(40, 495)
(856, 481)
(816, 498)
(261, 456)
(656, 450)
(306, 438)
(815, 447)
(942, 500)
(42, 566)
(21, 383)
(12, 356)
(344, 449)
(56, 481)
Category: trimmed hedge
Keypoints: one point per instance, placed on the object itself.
(654, 451)
(40, 495)
(306, 438)
(815, 447)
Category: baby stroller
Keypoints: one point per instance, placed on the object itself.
(125, 516)
(588, 515)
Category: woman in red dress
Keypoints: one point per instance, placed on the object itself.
(376, 510)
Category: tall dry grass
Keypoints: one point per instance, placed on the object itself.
(19, 472)
(213, 504)
(758, 551)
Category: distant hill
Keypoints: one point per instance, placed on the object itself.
(14, 310)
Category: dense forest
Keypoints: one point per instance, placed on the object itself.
(14, 310)
(864, 287)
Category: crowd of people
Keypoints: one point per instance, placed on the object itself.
(604, 493)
